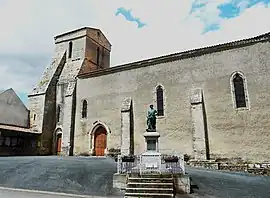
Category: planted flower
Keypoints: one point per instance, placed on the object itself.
(171, 158)
(128, 158)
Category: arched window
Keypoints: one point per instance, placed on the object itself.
(239, 90)
(160, 101)
(84, 109)
(70, 46)
(98, 51)
(58, 113)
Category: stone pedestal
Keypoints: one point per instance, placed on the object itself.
(151, 141)
(151, 158)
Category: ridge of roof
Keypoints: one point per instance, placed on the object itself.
(181, 55)
(80, 29)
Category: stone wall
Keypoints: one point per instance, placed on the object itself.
(231, 165)
(231, 132)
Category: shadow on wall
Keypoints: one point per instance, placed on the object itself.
(206, 130)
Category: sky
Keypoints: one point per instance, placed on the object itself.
(137, 30)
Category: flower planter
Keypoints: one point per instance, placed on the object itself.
(128, 159)
(171, 160)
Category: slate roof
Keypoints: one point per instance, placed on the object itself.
(182, 55)
(17, 128)
(80, 29)
(48, 74)
(70, 70)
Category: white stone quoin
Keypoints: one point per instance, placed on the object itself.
(127, 137)
(198, 124)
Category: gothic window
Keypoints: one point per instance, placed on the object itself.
(70, 45)
(240, 96)
(98, 51)
(160, 101)
(84, 109)
(58, 113)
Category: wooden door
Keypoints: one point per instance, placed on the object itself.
(100, 141)
(58, 144)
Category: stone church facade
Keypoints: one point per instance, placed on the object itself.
(212, 102)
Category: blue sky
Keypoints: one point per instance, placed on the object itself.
(136, 29)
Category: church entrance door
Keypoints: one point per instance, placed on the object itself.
(58, 143)
(100, 142)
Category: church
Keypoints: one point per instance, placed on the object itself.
(211, 102)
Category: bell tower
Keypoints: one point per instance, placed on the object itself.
(53, 99)
(88, 44)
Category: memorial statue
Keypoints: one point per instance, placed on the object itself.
(151, 119)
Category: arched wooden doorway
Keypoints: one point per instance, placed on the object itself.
(100, 141)
(58, 143)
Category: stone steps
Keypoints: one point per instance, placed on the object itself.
(131, 195)
(151, 180)
(150, 190)
(153, 185)
(150, 185)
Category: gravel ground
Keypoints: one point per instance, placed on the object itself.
(73, 175)
(222, 184)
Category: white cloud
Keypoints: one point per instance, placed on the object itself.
(28, 28)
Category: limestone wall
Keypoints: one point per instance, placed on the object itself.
(232, 133)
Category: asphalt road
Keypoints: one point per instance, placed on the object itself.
(94, 176)
(72, 175)
(17, 193)
(222, 184)
(7, 193)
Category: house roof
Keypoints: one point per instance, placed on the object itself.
(16, 128)
(182, 55)
(11, 90)
(80, 29)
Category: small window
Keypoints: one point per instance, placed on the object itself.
(98, 34)
(14, 141)
(239, 91)
(7, 141)
(160, 101)
(33, 143)
(84, 109)
(58, 113)
(70, 46)
(98, 52)
(2, 140)
(34, 117)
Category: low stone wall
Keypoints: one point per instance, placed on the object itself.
(120, 181)
(181, 184)
(257, 168)
(208, 164)
(233, 167)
